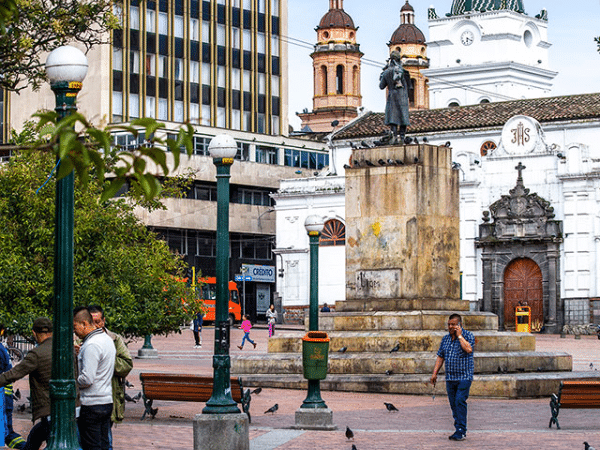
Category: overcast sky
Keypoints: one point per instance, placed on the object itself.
(571, 28)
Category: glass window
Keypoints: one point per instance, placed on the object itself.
(205, 118)
(333, 234)
(179, 69)
(194, 29)
(221, 35)
(163, 109)
(275, 7)
(178, 26)
(235, 38)
(247, 78)
(150, 64)
(275, 86)
(248, 4)
(205, 31)
(134, 61)
(118, 12)
(247, 123)
(275, 45)
(235, 79)
(236, 119)
(134, 18)
(304, 160)
(150, 107)
(206, 73)
(221, 117)
(260, 123)
(194, 72)
(262, 81)
(150, 20)
(261, 43)
(117, 104)
(117, 58)
(163, 23)
(247, 40)
(163, 68)
(134, 105)
(178, 112)
(275, 125)
(221, 79)
(261, 6)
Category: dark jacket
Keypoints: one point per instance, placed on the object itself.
(123, 365)
(38, 365)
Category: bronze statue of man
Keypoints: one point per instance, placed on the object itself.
(397, 81)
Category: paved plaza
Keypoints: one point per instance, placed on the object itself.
(422, 422)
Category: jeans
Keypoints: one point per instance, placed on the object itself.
(38, 434)
(458, 393)
(247, 338)
(94, 426)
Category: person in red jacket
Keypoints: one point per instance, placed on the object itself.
(246, 326)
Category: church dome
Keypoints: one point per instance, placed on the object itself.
(407, 7)
(407, 33)
(336, 18)
(460, 7)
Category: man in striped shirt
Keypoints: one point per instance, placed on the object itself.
(456, 351)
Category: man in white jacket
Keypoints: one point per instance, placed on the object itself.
(96, 362)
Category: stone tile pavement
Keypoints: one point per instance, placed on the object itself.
(421, 423)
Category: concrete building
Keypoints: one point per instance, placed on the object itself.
(556, 139)
(487, 51)
(221, 66)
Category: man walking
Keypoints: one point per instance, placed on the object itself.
(456, 351)
(96, 362)
(38, 365)
(123, 365)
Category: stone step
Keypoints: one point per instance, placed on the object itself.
(518, 385)
(404, 363)
(403, 320)
(401, 304)
(409, 341)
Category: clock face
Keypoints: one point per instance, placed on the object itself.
(467, 37)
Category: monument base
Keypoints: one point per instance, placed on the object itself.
(147, 353)
(314, 419)
(221, 431)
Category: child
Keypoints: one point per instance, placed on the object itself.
(246, 326)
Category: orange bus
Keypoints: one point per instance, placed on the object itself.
(207, 292)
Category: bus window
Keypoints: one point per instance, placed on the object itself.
(234, 296)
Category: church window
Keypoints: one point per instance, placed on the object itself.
(411, 92)
(487, 147)
(333, 234)
(355, 80)
(339, 79)
(453, 105)
(485, 100)
(323, 80)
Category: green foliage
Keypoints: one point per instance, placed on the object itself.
(30, 28)
(118, 263)
(597, 40)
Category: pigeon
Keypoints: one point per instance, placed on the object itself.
(128, 384)
(389, 372)
(408, 140)
(447, 144)
(129, 398)
(354, 447)
(588, 446)
(365, 144)
(416, 160)
(257, 391)
(349, 433)
(137, 396)
(369, 163)
(17, 395)
(390, 407)
(153, 412)
(425, 139)
(391, 162)
(355, 163)
(399, 162)
(502, 370)
(343, 349)
(381, 162)
(346, 167)
(395, 349)
(21, 408)
(591, 366)
(272, 409)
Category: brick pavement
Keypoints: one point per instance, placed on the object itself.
(421, 423)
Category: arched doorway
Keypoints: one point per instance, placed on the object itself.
(523, 287)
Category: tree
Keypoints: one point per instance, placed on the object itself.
(118, 263)
(29, 28)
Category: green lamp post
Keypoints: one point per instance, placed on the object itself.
(314, 225)
(66, 68)
(223, 149)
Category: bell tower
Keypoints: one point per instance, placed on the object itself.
(336, 71)
(410, 42)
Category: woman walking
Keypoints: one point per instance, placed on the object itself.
(271, 319)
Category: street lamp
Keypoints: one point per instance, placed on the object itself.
(222, 148)
(66, 68)
(314, 225)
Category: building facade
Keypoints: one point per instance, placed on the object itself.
(487, 51)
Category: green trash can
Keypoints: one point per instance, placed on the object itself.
(315, 347)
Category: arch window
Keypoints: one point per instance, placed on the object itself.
(355, 80)
(339, 79)
(333, 234)
(453, 105)
(323, 80)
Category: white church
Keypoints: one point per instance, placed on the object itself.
(529, 169)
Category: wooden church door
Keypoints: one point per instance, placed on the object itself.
(523, 287)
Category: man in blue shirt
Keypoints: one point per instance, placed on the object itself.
(456, 351)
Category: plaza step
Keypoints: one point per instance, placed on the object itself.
(521, 385)
(401, 304)
(403, 363)
(409, 341)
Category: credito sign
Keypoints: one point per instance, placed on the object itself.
(261, 274)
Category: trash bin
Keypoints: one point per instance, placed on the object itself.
(523, 319)
(315, 347)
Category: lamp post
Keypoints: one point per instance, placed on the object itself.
(223, 149)
(66, 68)
(314, 225)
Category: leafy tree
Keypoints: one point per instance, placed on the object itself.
(29, 28)
(118, 263)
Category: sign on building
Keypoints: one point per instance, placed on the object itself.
(261, 274)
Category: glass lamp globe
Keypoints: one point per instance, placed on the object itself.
(66, 63)
(222, 146)
(314, 223)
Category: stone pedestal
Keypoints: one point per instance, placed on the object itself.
(314, 419)
(221, 431)
(147, 353)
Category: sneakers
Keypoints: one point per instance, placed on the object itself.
(197, 346)
(240, 347)
(457, 437)
(254, 343)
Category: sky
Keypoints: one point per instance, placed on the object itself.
(572, 26)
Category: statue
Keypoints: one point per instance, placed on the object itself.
(398, 82)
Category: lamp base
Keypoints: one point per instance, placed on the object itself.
(221, 431)
(147, 353)
(314, 419)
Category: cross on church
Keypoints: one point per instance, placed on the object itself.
(520, 167)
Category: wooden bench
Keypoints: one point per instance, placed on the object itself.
(574, 394)
(186, 388)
